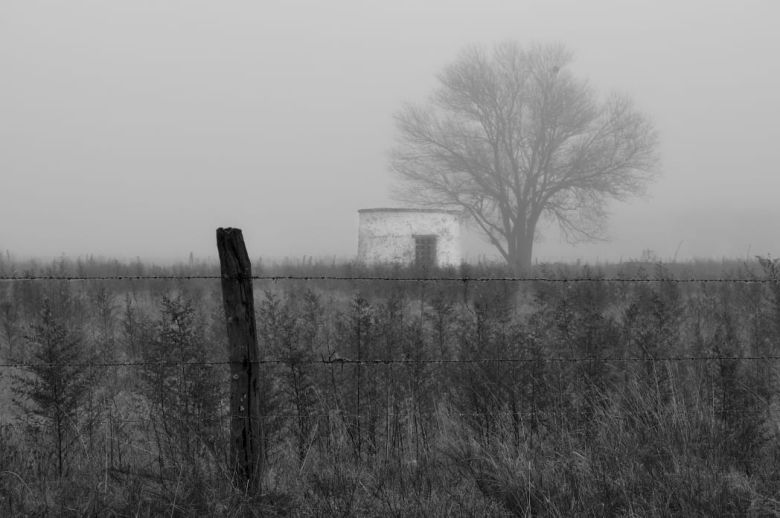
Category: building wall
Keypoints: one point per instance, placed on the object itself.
(387, 235)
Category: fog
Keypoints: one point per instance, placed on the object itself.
(136, 128)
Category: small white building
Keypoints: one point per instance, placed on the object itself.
(424, 237)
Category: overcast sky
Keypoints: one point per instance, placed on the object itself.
(137, 127)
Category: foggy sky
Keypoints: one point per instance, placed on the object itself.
(137, 127)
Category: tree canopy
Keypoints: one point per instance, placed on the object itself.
(512, 137)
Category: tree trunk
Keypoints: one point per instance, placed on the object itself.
(521, 260)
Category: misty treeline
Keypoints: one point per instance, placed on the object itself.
(393, 397)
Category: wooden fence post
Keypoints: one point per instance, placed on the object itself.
(246, 427)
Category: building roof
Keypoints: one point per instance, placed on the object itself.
(435, 211)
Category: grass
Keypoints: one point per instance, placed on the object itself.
(537, 437)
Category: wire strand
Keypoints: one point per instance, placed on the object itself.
(15, 278)
(393, 361)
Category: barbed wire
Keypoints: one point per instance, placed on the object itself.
(390, 361)
(275, 278)
(446, 413)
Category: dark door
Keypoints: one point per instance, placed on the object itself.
(425, 251)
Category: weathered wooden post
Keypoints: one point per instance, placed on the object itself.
(246, 427)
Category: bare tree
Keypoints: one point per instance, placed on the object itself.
(512, 138)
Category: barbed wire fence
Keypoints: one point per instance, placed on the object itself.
(401, 361)
(404, 362)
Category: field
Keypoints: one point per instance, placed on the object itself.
(635, 389)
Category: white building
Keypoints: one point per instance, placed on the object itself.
(425, 237)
